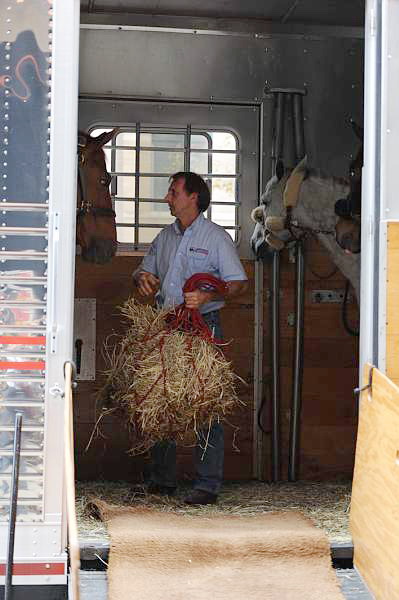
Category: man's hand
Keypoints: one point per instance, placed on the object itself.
(147, 283)
(197, 298)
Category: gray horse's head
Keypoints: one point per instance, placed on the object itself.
(300, 201)
(279, 209)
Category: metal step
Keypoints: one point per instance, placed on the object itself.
(94, 586)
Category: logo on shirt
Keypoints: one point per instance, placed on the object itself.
(199, 251)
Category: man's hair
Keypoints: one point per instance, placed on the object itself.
(194, 183)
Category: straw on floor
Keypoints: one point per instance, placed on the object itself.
(164, 556)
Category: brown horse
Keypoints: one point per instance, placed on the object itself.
(349, 209)
(95, 218)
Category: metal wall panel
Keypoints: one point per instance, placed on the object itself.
(84, 330)
(389, 111)
(323, 11)
(235, 68)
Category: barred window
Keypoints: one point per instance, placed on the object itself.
(141, 160)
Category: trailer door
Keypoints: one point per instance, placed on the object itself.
(374, 507)
(38, 121)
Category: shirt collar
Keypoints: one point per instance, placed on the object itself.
(194, 225)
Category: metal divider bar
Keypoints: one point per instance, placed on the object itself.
(13, 507)
(74, 553)
(296, 404)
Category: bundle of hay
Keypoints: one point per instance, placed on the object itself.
(168, 384)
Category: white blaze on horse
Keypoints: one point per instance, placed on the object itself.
(299, 203)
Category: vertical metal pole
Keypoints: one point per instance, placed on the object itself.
(13, 506)
(293, 460)
(275, 348)
(293, 129)
(280, 109)
(299, 134)
(275, 303)
(258, 460)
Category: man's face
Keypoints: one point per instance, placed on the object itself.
(180, 202)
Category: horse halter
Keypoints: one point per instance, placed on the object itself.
(290, 200)
(86, 206)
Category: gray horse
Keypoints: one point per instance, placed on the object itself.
(300, 202)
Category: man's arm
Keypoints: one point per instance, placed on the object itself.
(145, 275)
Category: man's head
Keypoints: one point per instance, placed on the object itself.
(189, 187)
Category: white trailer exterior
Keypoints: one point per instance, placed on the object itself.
(38, 115)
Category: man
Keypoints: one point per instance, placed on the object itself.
(190, 245)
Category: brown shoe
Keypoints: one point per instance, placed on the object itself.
(200, 497)
(160, 490)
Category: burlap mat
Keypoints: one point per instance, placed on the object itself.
(165, 556)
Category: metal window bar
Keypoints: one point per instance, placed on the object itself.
(137, 188)
(237, 195)
(187, 146)
(114, 189)
(210, 168)
(209, 175)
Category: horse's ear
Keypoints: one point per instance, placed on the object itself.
(82, 139)
(279, 169)
(357, 130)
(105, 137)
(257, 215)
(294, 182)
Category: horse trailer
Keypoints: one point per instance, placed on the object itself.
(240, 93)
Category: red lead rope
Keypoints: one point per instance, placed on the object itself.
(190, 320)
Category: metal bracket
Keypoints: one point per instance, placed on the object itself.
(357, 391)
(56, 390)
(328, 296)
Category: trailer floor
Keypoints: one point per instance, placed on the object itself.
(326, 503)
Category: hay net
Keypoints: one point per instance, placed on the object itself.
(168, 378)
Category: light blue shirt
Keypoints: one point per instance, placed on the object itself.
(203, 247)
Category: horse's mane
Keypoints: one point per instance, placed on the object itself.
(314, 173)
(320, 174)
(323, 175)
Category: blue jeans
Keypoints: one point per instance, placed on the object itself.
(208, 464)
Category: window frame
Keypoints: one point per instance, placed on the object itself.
(138, 129)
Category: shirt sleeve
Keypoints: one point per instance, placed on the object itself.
(230, 267)
(149, 262)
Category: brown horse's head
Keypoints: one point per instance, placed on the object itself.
(348, 209)
(95, 221)
(347, 234)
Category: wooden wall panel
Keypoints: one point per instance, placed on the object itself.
(107, 456)
(392, 325)
(330, 362)
(375, 494)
